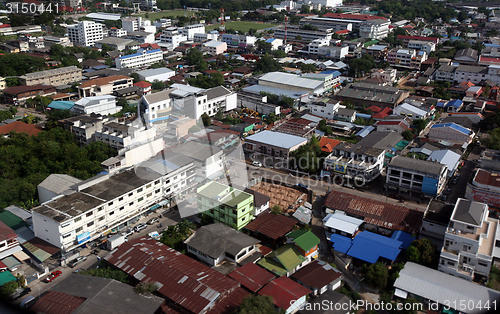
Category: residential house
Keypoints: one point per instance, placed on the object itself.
(287, 295)
(485, 187)
(284, 261)
(306, 241)
(217, 242)
(414, 175)
(270, 228)
(103, 105)
(208, 159)
(8, 241)
(345, 114)
(319, 277)
(21, 128)
(451, 132)
(466, 56)
(273, 144)
(225, 204)
(104, 85)
(160, 74)
(398, 126)
(412, 112)
(470, 241)
(251, 276)
(17, 95)
(341, 224)
(144, 87)
(155, 108)
(448, 158)
(215, 47)
(371, 94)
(328, 144)
(260, 201)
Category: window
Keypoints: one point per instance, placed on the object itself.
(120, 199)
(66, 235)
(90, 224)
(157, 182)
(112, 213)
(101, 218)
(110, 203)
(122, 208)
(131, 204)
(78, 219)
(141, 199)
(157, 191)
(148, 186)
(89, 214)
(78, 229)
(139, 190)
(130, 194)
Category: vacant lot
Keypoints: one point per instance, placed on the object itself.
(241, 26)
(153, 16)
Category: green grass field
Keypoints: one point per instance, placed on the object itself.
(241, 26)
(153, 16)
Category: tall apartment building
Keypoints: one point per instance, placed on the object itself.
(190, 30)
(470, 242)
(149, 5)
(225, 204)
(85, 33)
(234, 40)
(374, 29)
(414, 175)
(172, 37)
(55, 77)
(408, 58)
(328, 23)
(294, 32)
(142, 58)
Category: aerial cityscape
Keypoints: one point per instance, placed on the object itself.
(249, 157)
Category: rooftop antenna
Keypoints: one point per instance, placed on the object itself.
(222, 27)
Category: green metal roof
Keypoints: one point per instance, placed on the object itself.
(288, 256)
(12, 220)
(305, 239)
(37, 252)
(370, 43)
(273, 266)
(6, 276)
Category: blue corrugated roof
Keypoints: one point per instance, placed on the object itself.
(365, 131)
(404, 237)
(457, 103)
(369, 247)
(341, 243)
(453, 126)
(139, 53)
(62, 105)
(440, 104)
(334, 73)
(100, 67)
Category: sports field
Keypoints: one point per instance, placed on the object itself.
(241, 26)
(153, 16)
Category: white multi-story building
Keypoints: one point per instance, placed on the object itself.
(162, 23)
(155, 108)
(275, 43)
(172, 37)
(324, 110)
(215, 47)
(331, 80)
(414, 175)
(149, 5)
(85, 33)
(374, 29)
(329, 23)
(143, 58)
(120, 135)
(190, 30)
(101, 204)
(427, 46)
(117, 32)
(470, 241)
(408, 58)
(103, 105)
(294, 32)
(205, 37)
(234, 40)
(327, 3)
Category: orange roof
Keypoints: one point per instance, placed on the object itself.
(103, 80)
(143, 84)
(21, 127)
(328, 144)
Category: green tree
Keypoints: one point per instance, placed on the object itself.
(413, 254)
(257, 304)
(158, 85)
(407, 135)
(195, 57)
(205, 118)
(267, 64)
(106, 271)
(263, 47)
(426, 252)
(377, 275)
(276, 209)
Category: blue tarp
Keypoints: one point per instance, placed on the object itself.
(404, 237)
(369, 247)
(61, 105)
(340, 243)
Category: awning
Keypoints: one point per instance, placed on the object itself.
(21, 256)
(10, 251)
(400, 293)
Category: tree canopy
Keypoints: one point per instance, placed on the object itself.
(257, 304)
(267, 64)
(15, 64)
(28, 160)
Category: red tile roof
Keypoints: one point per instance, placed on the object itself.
(487, 178)
(328, 144)
(149, 45)
(363, 17)
(284, 290)
(382, 214)
(316, 275)
(54, 302)
(382, 114)
(272, 226)
(20, 127)
(341, 32)
(143, 84)
(14, 90)
(374, 109)
(251, 276)
(422, 38)
(182, 279)
(490, 60)
(6, 232)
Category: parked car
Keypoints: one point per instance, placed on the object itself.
(257, 164)
(20, 293)
(302, 185)
(140, 227)
(455, 179)
(153, 220)
(77, 261)
(128, 232)
(53, 275)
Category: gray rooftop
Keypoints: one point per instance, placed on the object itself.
(157, 71)
(58, 183)
(105, 295)
(157, 97)
(371, 92)
(217, 239)
(419, 165)
(381, 140)
(446, 68)
(217, 92)
(469, 212)
(197, 151)
(471, 68)
(277, 139)
(57, 71)
(443, 288)
(114, 41)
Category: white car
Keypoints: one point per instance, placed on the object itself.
(257, 164)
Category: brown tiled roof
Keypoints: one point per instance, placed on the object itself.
(487, 178)
(251, 276)
(6, 232)
(14, 90)
(21, 127)
(382, 214)
(272, 226)
(103, 80)
(44, 245)
(230, 303)
(54, 302)
(316, 275)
